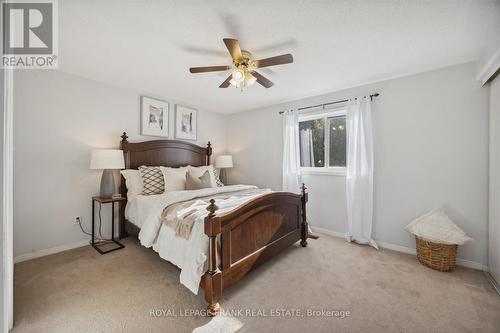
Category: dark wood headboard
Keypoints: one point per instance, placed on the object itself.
(169, 153)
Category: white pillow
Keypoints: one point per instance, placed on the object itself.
(175, 178)
(133, 181)
(198, 172)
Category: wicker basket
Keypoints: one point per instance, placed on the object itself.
(442, 257)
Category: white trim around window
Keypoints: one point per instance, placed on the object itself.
(322, 171)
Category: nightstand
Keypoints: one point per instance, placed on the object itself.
(99, 244)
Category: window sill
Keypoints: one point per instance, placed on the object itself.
(324, 171)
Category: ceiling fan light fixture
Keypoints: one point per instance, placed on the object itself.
(238, 75)
(242, 67)
(250, 79)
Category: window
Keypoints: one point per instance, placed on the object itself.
(323, 142)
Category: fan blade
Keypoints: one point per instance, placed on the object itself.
(273, 61)
(226, 83)
(233, 46)
(208, 69)
(262, 80)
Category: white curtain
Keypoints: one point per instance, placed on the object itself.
(306, 148)
(291, 152)
(359, 182)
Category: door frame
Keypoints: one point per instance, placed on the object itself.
(7, 190)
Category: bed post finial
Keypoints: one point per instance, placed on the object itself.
(212, 208)
(303, 189)
(124, 137)
(304, 226)
(213, 277)
(209, 152)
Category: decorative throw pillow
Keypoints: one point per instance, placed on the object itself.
(197, 183)
(175, 178)
(217, 179)
(133, 181)
(152, 180)
(199, 171)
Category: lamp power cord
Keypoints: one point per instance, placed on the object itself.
(99, 237)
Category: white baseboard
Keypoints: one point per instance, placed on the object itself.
(326, 232)
(472, 264)
(404, 249)
(52, 250)
(493, 282)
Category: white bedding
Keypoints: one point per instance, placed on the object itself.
(189, 255)
(131, 210)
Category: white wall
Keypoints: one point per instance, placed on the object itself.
(494, 218)
(59, 119)
(431, 146)
(431, 141)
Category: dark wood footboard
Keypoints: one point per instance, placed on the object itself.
(249, 236)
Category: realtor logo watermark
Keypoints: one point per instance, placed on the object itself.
(29, 34)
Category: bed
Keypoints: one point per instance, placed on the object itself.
(236, 240)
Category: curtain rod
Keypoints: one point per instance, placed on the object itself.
(330, 103)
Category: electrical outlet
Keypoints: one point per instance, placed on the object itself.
(77, 220)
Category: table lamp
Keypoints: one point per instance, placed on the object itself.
(223, 162)
(107, 160)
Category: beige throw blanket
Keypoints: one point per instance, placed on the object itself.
(181, 216)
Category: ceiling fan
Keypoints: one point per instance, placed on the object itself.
(244, 66)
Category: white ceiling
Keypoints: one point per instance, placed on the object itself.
(148, 46)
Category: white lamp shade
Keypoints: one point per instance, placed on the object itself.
(107, 159)
(224, 161)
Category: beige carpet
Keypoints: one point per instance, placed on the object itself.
(83, 291)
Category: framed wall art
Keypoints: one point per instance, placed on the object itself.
(154, 117)
(186, 123)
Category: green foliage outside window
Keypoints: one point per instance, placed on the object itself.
(314, 130)
(337, 141)
(317, 126)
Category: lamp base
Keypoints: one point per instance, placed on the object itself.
(108, 185)
(223, 176)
